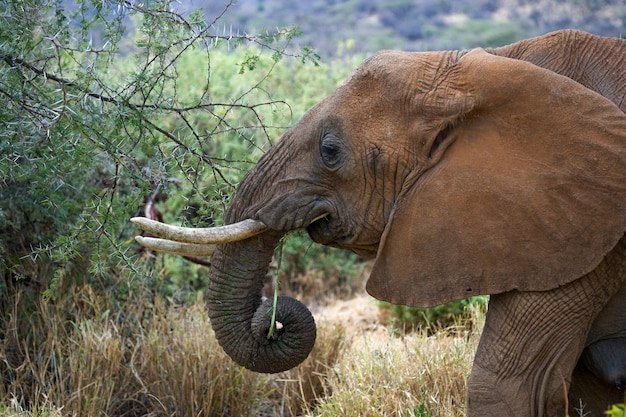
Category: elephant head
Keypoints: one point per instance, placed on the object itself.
(460, 172)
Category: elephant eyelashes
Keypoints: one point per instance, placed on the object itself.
(331, 151)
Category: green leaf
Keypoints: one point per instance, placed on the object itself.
(617, 410)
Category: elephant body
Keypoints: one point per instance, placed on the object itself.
(607, 337)
(499, 171)
(600, 376)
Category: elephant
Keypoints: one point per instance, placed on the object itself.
(487, 171)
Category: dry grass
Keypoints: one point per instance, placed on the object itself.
(380, 374)
(164, 361)
(415, 375)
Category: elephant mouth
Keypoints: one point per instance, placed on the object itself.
(328, 231)
(322, 230)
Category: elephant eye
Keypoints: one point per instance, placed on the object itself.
(331, 151)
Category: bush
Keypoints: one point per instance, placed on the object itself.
(100, 127)
(448, 316)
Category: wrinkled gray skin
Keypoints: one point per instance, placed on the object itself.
(606, 340)
(543, 335)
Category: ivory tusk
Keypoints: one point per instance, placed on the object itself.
(175, 248)
(222, 234)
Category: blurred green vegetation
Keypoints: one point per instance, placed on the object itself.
(616, 410)
(448, 317)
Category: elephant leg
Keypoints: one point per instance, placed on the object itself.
(531, 344)
(527, 352)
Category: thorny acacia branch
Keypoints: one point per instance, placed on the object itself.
(17, 62)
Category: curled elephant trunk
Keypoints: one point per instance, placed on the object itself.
(240, 317)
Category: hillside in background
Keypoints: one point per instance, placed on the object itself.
(331, 26)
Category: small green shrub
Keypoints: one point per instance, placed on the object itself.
(444, 316)
(617, 410)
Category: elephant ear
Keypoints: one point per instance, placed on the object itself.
(529, 195)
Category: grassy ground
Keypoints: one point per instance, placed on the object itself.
(171, 365)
